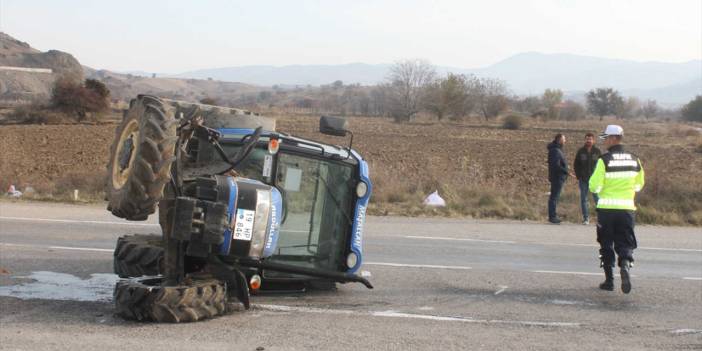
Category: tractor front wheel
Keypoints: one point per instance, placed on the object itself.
(140, 159)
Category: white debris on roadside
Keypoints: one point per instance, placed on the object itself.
(13, 192)
(435, 200)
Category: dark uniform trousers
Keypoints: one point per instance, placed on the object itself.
(615, 233)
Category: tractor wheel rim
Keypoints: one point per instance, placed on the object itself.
(124, 155)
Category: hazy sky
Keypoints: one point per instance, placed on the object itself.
(176, 36)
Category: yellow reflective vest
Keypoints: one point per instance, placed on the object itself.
(617, 177)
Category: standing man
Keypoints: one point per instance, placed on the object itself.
(584, 165)
(618, 176)
(557, 174)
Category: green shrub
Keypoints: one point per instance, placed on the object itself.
(73, 97)
(693, 110)
(512, 122)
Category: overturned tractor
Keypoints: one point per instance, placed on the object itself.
(242, 208)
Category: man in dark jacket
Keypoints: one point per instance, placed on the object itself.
(584, 164)
(557, 174)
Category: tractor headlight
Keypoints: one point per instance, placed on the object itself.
(361, 189)
(260, 226)
(351, 260)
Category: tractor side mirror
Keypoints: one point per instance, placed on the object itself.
(335, 126)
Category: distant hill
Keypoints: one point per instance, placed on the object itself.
(127, 86)
(26, 86)
(526, 73)
(352, 73)
(531, 73)
(21, 87)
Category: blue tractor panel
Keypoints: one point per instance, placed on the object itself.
(229, 216)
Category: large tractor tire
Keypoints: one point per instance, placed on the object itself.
(140, 159)
(138, 255)
(144, 299)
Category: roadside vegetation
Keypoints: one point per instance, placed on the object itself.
(71, 101)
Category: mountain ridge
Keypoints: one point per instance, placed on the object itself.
(525, 73)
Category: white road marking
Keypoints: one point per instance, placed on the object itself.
(564, 244)
(668, 249)
(501, 290)
(597, 246)
(538, 243)
(564, 272)
(281, 308)
(415, 265)
(395, 314)
(577, 273)
(80, 248)
(459, 239)
(686, 331)
(59, 247)
(77, 221)
(692, 278)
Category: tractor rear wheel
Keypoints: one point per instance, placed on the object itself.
(138, 255)
(140, 159)
(145, 299)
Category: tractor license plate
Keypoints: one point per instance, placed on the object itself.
(243, 227)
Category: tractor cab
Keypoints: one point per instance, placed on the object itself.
(324, 191)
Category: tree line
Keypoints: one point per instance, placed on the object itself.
(413, 87)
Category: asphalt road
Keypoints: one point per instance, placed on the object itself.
(440, 284)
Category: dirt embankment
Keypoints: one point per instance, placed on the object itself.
(39, 156)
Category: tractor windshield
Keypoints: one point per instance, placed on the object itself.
(318, 199)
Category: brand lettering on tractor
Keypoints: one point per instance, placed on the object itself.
(274, 227)
(358, 235)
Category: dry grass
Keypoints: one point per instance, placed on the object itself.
(90, 188)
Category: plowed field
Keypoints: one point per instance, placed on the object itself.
(481, 170)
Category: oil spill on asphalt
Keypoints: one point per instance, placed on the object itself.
(62, 286)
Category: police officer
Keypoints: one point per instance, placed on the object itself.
(617, 177)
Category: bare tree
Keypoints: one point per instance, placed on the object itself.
(406, 84)
(492, 97)
(379, 100)
(629, 108)
(603, 101)
(530, 104)
(449, 97)
(649, 109)
(552, 99)
(571, 111)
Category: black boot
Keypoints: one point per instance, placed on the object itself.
(624, 266)
(608, 284)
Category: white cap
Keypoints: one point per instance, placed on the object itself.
(612, 129)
